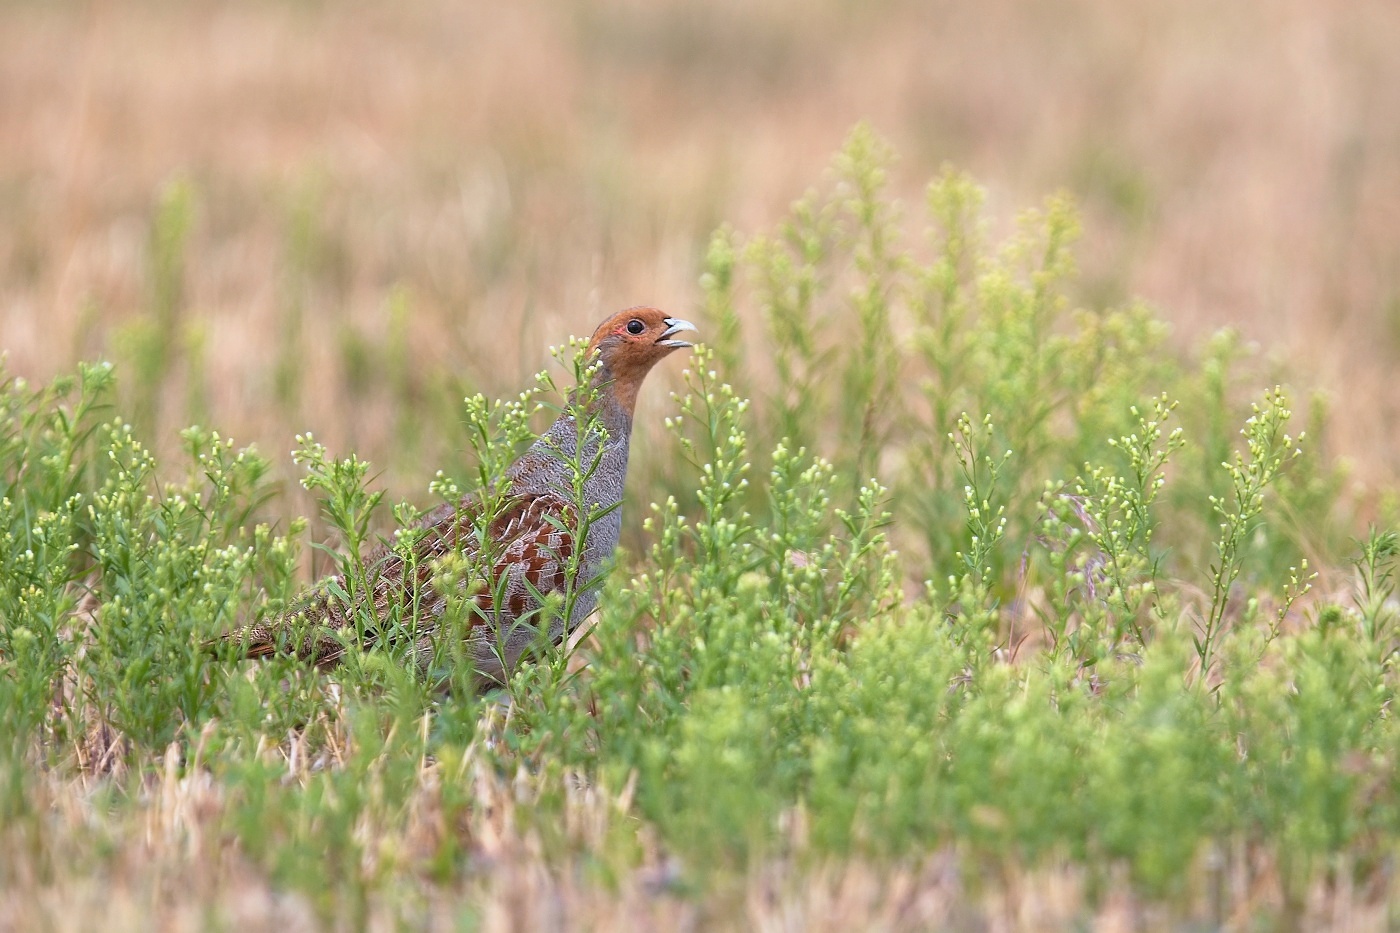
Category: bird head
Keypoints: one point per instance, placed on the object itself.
(630, 343)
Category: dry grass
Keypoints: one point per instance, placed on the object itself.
(170, 863)
(515, 171)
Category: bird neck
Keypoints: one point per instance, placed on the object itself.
(615, 387)
(608, 403)
(569, 445)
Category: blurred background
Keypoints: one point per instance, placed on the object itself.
(339, 217)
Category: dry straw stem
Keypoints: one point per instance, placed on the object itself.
(175, 868)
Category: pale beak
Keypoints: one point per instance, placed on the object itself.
(675, 325)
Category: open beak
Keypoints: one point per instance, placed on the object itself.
(675, 325)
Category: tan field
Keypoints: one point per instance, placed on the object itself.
(457, 186)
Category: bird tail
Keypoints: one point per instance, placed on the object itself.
(277, 639)
(255, 641)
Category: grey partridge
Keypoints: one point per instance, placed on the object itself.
(530, 537)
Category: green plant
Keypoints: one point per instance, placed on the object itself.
(1269, 448)
(766, 690)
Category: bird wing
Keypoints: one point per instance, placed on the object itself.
(529, 542)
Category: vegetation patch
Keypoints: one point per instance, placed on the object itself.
(954, 597)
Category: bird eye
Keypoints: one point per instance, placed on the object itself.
(635, 326)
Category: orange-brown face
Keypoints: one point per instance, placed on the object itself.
(631, 342)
